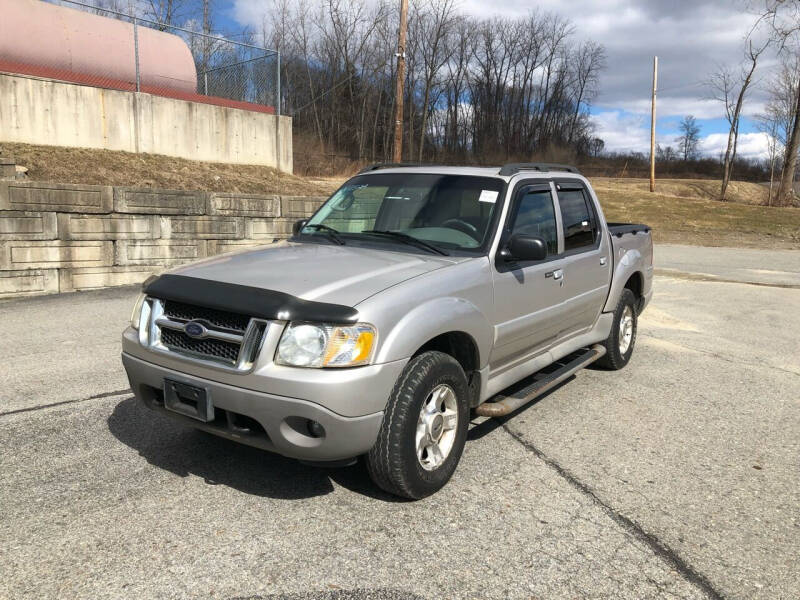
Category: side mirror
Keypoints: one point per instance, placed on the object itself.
(298, 225)
(525, 247)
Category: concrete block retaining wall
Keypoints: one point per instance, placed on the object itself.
(64, 238)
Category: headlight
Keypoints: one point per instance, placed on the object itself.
(310, 345)
(136, 314)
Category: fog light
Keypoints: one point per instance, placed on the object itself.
(315, 429)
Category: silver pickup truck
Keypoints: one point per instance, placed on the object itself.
(413, 298)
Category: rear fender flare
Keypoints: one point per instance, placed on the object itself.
(627, 264)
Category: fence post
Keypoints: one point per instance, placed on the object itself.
(136, 51)
(205, 83)
(278, 86)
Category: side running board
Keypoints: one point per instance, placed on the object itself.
(502, 405)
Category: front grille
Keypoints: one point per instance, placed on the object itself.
(178, 341)
(179, 311)
(230, 339)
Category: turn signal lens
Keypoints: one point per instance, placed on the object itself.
(349, 346)
(136, 314)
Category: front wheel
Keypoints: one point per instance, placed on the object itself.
(424, 428)
(620, 342)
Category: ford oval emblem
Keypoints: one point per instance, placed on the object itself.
(194, 329)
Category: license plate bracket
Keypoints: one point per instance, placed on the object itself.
(189, 400)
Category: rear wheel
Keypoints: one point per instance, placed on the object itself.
(620, 342)
(424, 428)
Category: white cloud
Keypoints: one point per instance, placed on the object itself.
(672, 106)
(622, 132)
(750, 145)
(627, 132)
(252, 12)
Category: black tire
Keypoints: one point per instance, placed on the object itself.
(392, 462)
(614, 359)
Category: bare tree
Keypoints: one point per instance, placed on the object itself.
(730, 88)
(476, 89)
(689, 138)
(590, 59)
(665, 153)
(166, 12)
(203, 47)
(596, 146)
(783, 94)
(433, 29)
(455, 132)
(784, 19)
(778, 118)
(769, 126)
(114, 9)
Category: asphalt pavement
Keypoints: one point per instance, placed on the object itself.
(779, 268)
(677, 477)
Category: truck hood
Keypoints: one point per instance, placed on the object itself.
(325, 273)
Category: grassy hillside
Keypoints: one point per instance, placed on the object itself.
(685, 212)
(740, 192)
(681, 211)
(105, 167)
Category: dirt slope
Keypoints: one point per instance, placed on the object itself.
(105, 167)
(681, 211)
(687, 212)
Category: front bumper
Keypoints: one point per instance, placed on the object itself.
(279, 420)
(351, 392)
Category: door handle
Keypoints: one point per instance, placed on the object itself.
(603, 261)
(557, 274)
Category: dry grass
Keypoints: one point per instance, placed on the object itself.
(105, 167)
(681, 211)
(686, 212)
(741, 192)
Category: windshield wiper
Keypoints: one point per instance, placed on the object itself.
(407, 239)
(333, 234)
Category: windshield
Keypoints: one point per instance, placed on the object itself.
(451, 212)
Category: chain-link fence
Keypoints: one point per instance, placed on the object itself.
(105, 48)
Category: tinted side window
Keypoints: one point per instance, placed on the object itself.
(536, 216)
(578, 220)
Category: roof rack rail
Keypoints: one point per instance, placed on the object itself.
(514, 168)
(378, 166)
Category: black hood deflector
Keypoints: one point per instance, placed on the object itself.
(246, 300)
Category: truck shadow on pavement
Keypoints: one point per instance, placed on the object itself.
(186, 451)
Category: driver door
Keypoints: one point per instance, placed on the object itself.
(528, 295)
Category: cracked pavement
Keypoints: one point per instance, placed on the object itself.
(677, 477)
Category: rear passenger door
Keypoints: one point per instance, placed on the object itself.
(587, 268)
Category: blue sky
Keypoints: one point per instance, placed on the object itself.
(691, 38)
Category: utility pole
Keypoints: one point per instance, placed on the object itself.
(206, 32)
(653, 128)
(398, 90)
